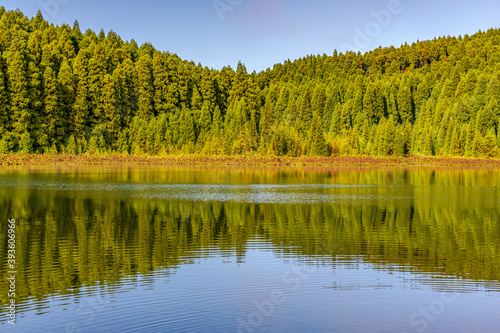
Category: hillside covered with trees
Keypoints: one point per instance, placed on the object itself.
(67, 91)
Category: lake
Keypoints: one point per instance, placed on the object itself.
(185, 249)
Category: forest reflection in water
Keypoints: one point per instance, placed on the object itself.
(92, 226)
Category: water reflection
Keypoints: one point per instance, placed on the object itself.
(89, 230)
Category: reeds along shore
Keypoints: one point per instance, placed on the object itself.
(241, 160)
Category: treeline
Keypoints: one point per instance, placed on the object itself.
(65, 91)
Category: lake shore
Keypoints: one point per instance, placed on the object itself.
(254, 160)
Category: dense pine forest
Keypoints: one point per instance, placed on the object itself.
(67, 91)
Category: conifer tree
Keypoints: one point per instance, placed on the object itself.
(369, 105)
(282, 103)
(318, 101)
(145, 88)
(399, 144)
(405, 107)
(455, 149)
(463, 139)
(186, 129)
(81, 107)
(477, 149)
(203, 123)
(26, 145)
(490, 147)
(4, 117)
(469, 146)
(126, 79)
(66, 85)
(111, 109)
(407, 138)
(345, 118)
(53, 117)
(161, 84)
(96, 72)
(35, 95)
(18, 91)
(318, 142)
(389, 137)
(305, 113)
(71, 147)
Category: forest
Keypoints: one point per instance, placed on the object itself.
(64, 91)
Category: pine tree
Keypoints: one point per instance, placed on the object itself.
(81, 108)
(203, 123)
(279, 143)
(111, 109)
(469, 146)
(161, 84)
(407, 138)
(67, 91)
(282, 103)
(345, 119)
(4, 107)
(399, 144)
(405, 104)
(318, 101)
(427, 143)
(379, 147)
(490, 148)
(357, 115)
(71, 147)
(53, 116)
(18, 91)
(305, 113)
(455, 149)
(35, 95)
(389, 137)
(369, 106)
(187, 134)
(4, 147)
(26, 146)
(126, 78)
(97, 68)
(145, 88)
(318, 142)
(266, 123)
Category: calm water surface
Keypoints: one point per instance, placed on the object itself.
(157, 249)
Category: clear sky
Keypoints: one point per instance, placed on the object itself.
(261, 33)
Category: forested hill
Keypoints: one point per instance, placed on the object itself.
(67, 91)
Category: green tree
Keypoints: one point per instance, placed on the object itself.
(81, 108)
(187, 136)
(490, 148)
(53, 116)
(111, 109)
(26, 145)
(4, 117)
(18, 90)
(405, 104)
(145, 88)
(318, 142)
(305, 113)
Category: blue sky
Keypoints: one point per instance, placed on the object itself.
(261, 33)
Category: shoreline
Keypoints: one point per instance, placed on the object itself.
(252, 160)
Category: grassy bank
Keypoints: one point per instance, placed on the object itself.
(256, 160)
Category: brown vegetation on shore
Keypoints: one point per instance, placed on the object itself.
(252, 160)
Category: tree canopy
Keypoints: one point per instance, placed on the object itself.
(67, 91)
